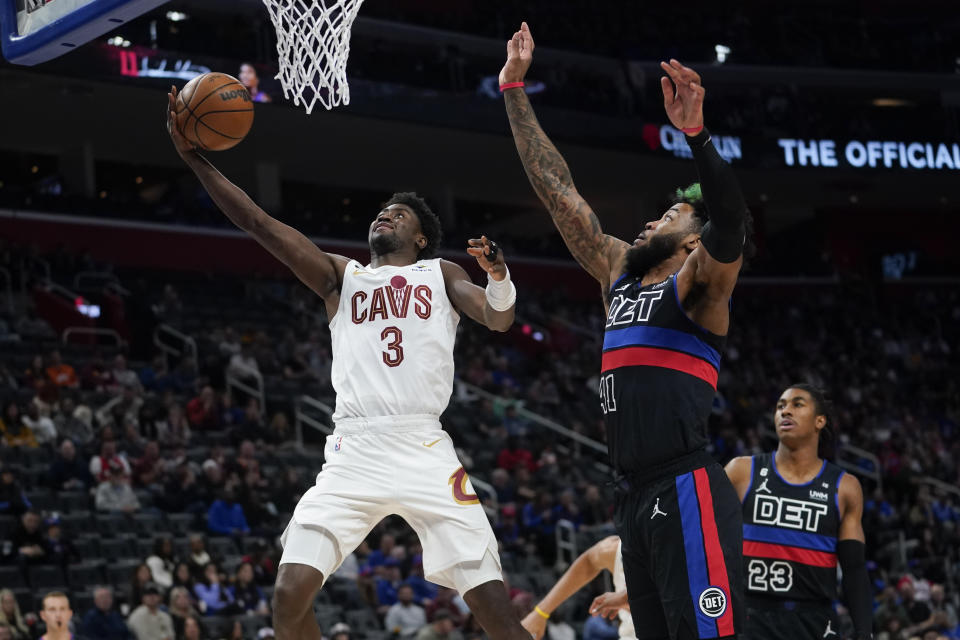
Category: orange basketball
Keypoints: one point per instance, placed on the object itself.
(214, 111)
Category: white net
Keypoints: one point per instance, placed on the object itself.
(313, 44)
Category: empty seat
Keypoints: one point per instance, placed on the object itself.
(42, 499)
(76, 522)
(120, 572)
(363, 620)
(11, 578)
(74, 501)
(180, 524)
(24, 598)
(85, 575)
(221, 547)
(148, 524)
(110, 524)
(46, 576)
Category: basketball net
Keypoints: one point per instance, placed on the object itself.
(313, 44)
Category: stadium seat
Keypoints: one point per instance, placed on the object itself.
(85, 574)
(180, 524)
(74, 501)
(24, 598)
(42, 499)
(120, 572)
(363, 621)
(7, 524)
(218, 626)
(82, 601)
(221, 547)
(76, 522)
(11, 578)
(46, 576)
(328, 615)
(110, 524)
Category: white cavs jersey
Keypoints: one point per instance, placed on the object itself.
(393, 338)
(626, 631)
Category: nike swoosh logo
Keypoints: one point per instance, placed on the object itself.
(432, 443)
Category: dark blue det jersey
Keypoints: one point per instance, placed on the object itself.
(790, 533)
(659, 376)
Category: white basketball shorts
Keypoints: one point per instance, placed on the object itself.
(403, 466)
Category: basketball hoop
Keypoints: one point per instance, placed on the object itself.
(313, 44)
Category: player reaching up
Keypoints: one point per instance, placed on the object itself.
(392, 323)
(801, 515)
(667, 298)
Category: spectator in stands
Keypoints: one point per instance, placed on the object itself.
(15, 432)
(27, 541)
(35, 374)
(264, 566)
(500, 479)
(379, 556)
(6, 631)
(230, 344)
(514, 455)
(175, 430)
(162, 563)
(103, 621)
(288, 491)
(252, 427)
(140, 578)
(123, 378)
(247, 595)
(199, 558)
(61, 373)
(100, 464)
(917, 612)
(203, 412)
(115, 494)
(147, 470)
(74, 422)
(10, 615)
(243, 365)
(183, 493)
(388, 583)
(183, 577)
(226, 516)
(181, 608)
(68, 472)
(148, 621)
(944, 613)
(248, 76)
(60, 550)
(424, 592)
(122, 410)
(56, 614)
(156, 376)
(192, 630)
(246, 457)
(404, 618)
(13, 500)
(442, 628)
(340, 631)
(595, 511)
(212, 594)
(508, 530)
(42, 427)
(96, 375)
(279, 432)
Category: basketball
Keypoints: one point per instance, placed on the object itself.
(214, 111)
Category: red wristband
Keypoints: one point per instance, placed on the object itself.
(511, 85)
(692, 131)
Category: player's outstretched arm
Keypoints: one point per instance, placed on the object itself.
(585, 568)
(716, 262)
(851, 552)
(598, 253)
(320, 271)
(492, 307)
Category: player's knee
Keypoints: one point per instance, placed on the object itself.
(294, 591)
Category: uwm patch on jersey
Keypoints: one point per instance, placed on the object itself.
(790, 532)
(393, 338)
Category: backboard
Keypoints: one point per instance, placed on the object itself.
(34, 31)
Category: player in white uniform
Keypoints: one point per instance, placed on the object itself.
(393, 324)
(605, 555)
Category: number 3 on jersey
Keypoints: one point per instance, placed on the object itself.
(393, 356)
(608, 401)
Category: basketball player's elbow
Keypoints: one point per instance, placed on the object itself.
(500, 321)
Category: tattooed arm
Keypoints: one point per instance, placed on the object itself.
(600, 254)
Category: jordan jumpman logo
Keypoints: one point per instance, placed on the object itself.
(763, 486)
(656, 510)
(829, 631)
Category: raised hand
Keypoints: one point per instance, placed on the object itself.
(519, 56)
(682, 95)
(483, 250)
(181, 144)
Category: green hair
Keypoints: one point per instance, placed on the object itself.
(693, 196)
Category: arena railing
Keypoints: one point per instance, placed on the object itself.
(237, 376)
(578, 439)
(940, 485)
(27, 265)
(853, 467)
(301, 417)
(188, 344)
(91, 331)
(92, 280)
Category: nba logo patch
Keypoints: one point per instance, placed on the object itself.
(336, 446)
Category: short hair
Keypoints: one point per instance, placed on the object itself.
(429, 221)
(822, 406)
(53, 594)
(693, 196)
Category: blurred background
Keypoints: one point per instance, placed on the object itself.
(190, 373)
